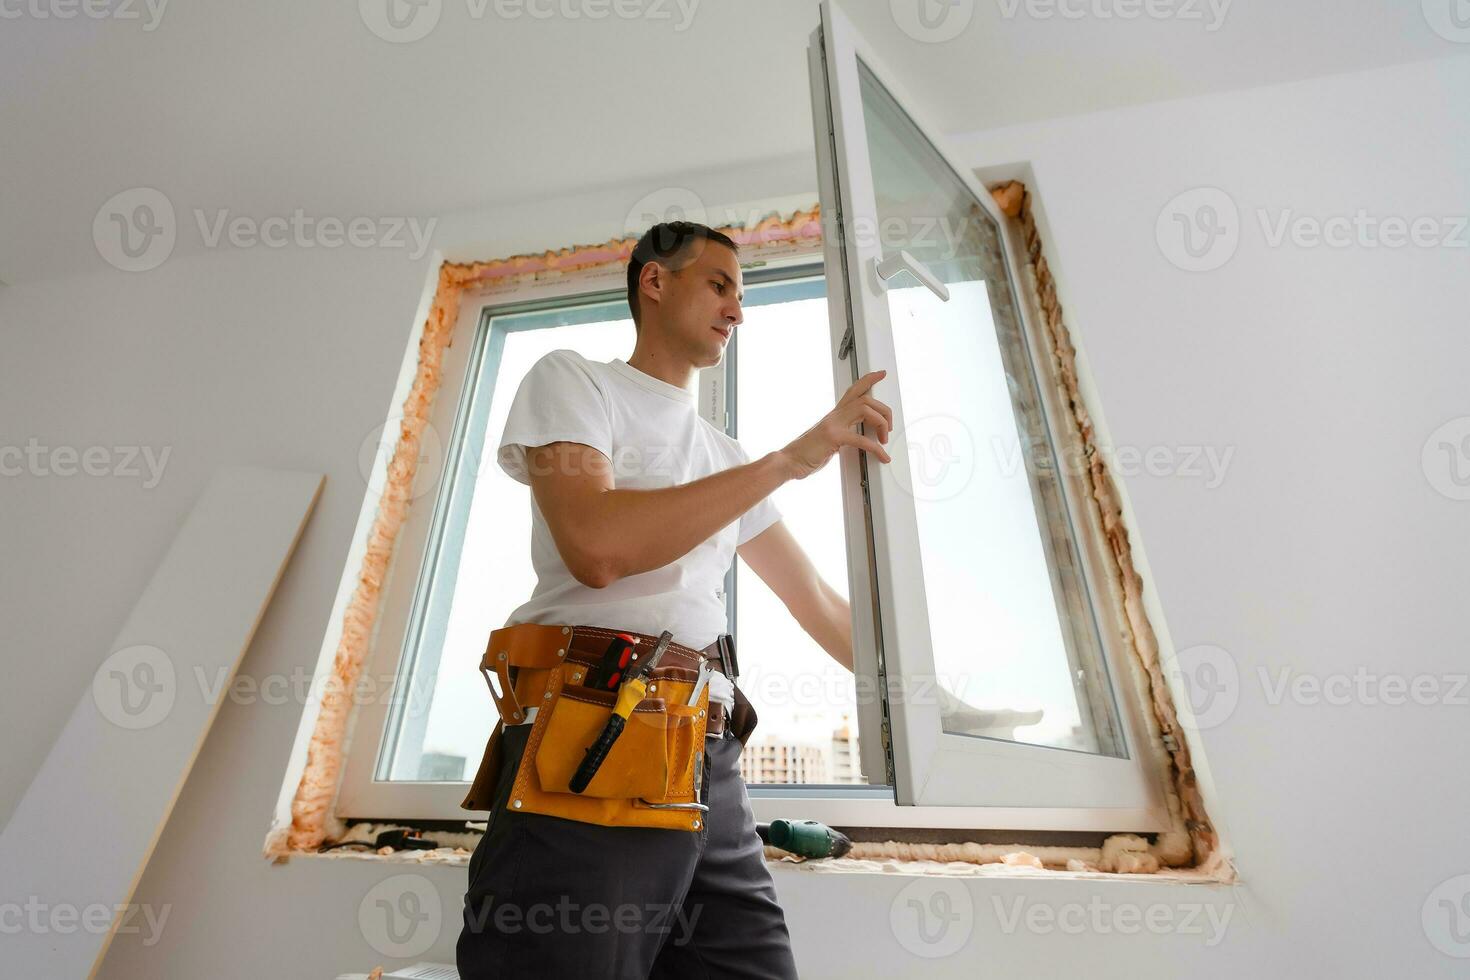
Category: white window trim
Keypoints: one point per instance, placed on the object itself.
(1079, 779)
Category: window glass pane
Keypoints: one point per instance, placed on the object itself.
(1016, 647)
(479, 568)
(805, 700)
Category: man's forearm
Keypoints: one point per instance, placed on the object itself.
(640, 530)
(829, 622)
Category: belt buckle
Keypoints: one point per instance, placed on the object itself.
(725, 647)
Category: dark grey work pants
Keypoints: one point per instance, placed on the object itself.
(551, 897)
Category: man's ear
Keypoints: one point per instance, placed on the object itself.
(651, 280)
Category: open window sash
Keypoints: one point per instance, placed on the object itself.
(975, 572)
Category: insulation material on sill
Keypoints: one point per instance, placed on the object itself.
(1120, 854)
(1074, 869)
(311, 820)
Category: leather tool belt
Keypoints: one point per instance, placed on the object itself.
(650, 776)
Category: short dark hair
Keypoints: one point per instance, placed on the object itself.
(668, 243)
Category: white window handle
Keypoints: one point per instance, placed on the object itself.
(902, 261)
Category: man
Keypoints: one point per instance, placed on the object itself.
(638, 508)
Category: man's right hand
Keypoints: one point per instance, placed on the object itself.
(810, 451)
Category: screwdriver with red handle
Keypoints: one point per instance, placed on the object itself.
(632, 689)
(608, 672)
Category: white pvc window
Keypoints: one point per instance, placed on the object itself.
(977, 609)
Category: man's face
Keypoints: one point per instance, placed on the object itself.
(700, 306)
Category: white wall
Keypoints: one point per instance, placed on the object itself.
(1324, 549)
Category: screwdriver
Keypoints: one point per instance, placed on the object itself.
(608, 672)
(632, 690)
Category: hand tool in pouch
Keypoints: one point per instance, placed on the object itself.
(608, 671)
(700, 681)
(631, 691)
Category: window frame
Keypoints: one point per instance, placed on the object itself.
(921, 760)
(361, 796)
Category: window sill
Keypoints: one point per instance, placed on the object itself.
(997, 861)
(961, 869)
(458, 857)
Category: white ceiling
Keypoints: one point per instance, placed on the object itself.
(266, 107)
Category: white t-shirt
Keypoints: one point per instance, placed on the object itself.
(655, 437)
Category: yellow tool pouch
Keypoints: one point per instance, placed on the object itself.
(649, 778)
